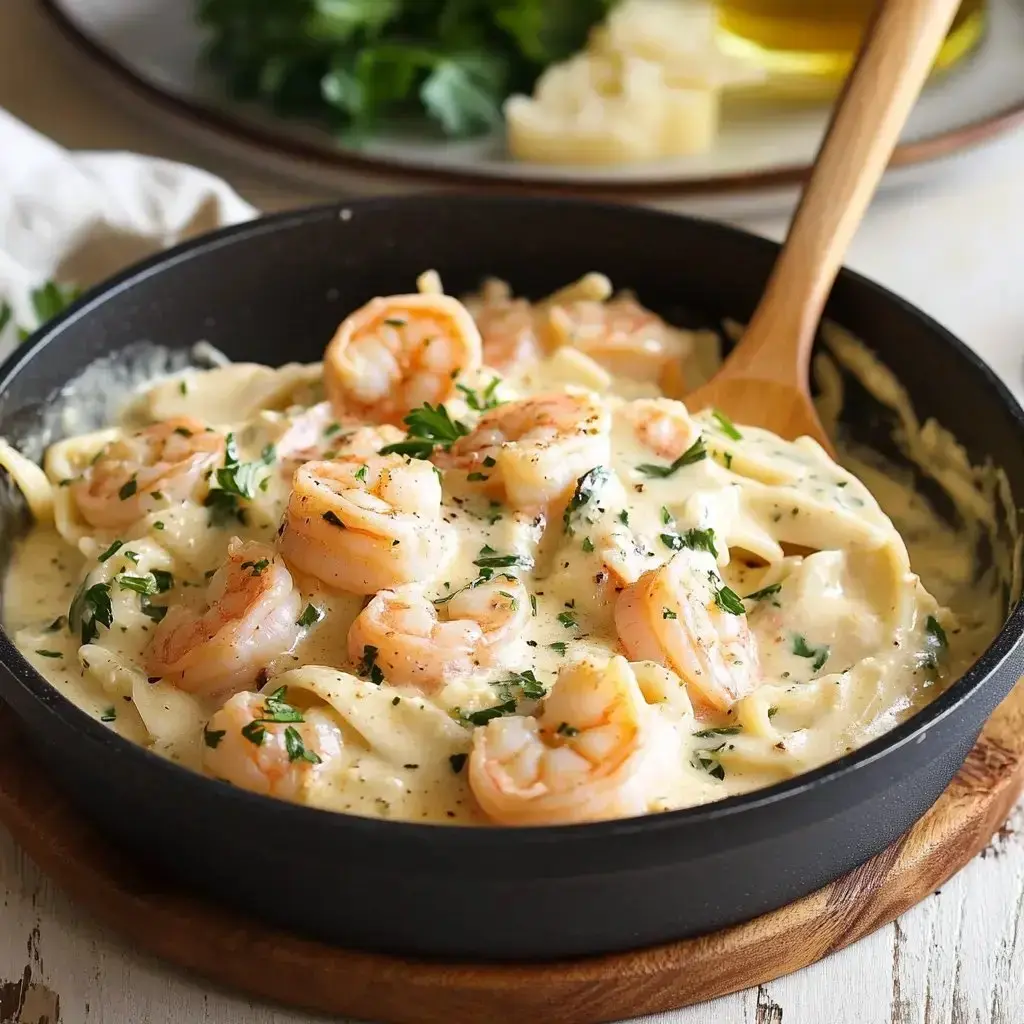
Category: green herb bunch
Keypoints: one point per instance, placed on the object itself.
(356, 64)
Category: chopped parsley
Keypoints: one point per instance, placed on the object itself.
(296, 749)
(725, 730)
(935, 643)
(764, 592)
(128, 489)
(257, 568)
(426, 428)
(236, 482)
(49, 654)
(111, 551)
(802, 649)
(368, 667)
(158, 525)
(587, 545)
(58, 624)
(672, 541)
(565, 729)
(726, 425)
(109, 715)
(624, 517)
(90, 609)
(156, 612)
(708, 761)
(212, 737)
(481, 401)
(254, 732)
(693, 454)
(667, 613)
(476, 477)
(729, 601)
(360, 474)
(495, 561)
(164, 580)
(485, 715)
(533, 605)
(567, 619)
(140, 584)
(457, 761)
(330, 517)
(558, 646)
(772, 711)
(528, 685)
(310, 616)
(586, 487)
(700, 540)
(395, 321)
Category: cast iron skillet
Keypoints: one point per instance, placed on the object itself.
(274, 291)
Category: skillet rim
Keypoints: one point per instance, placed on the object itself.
(480, 839)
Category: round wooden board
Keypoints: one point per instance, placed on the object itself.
(246, 955)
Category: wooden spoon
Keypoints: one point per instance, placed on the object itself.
(764, 382)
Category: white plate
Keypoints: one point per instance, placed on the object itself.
(154, 45)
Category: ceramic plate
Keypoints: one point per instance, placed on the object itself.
(155, 46)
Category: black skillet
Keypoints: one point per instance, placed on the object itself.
(274, 291)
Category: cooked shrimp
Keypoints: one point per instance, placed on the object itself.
(535, 449)
(624, 337)
(251, 614)
(507, 326)
(396, 353)
(163, 464)
(583, 758)
(363, 525)
(676, 616)
(318, 434)
(263, 744)
(416, 646)
(662, 425)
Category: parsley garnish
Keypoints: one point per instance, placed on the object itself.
(212, 737)
(624, 517)
(164, 580)
(565, 729)
(58, 623)
(236, 481)
(295, 748)
(257, 568)
(567, 619)
(457, 761)
(368, 667)
(803, 649)
(558, 646)
(109, 715)
(486, 714)
(729, 601)
(486, 561)
(481, 401)
(360, 474)
(426, 428)
(707, 760)
(330, 517)
(725, 730)
(140, 584)
(90, 609)
(760, 595)
(701, 540)
(128, 489)
(587, 545)
(49, 654)
(586, 487)
(254, 732)
(111, 551)
(667, 613)
(935, 643)
(310, 616)
(672, 541)
(694, 453)
(726, 425)
(526, 682)
(155, 611)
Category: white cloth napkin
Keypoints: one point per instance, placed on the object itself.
(78, 217)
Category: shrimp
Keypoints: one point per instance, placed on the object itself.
(677, 617)
(662, 425)
(624, 337)
(251, 617)
(508, 326)
(415, 646)
(317, 433)
(585, 757)
(261, 743)
(363, 525)
(165, 463)
(534, 450)
(398, 352)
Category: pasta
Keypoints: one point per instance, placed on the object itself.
(481, 566)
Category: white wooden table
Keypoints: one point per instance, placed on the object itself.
(956, 248)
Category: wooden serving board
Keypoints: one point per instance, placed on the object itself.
(244, 954)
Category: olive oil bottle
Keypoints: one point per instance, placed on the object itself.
(809, 45)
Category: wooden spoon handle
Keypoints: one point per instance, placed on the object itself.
(898, 52)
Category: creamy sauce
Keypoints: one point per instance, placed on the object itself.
(849, 642)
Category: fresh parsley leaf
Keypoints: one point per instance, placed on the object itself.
(481, 401)
(587, 486)
(296, 749)
(935, 643)
(726, 425)
(368, 667)
(725, 730)
(567, 619)
(693, 454)
(310, 616)
(802, 649)
(109, 715)
(128, 489)
(140, 584)
(111, 551)
(254, 732)
(729, 601)
(701, 540)
(164, 580)
(486, 714)
(565, 729)
(457, 761)
(212, 737)
(764, 592)
(559, 646)
(502, 561)
(43, 653)
(427, 427)
(90, 609)
(236, 482)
